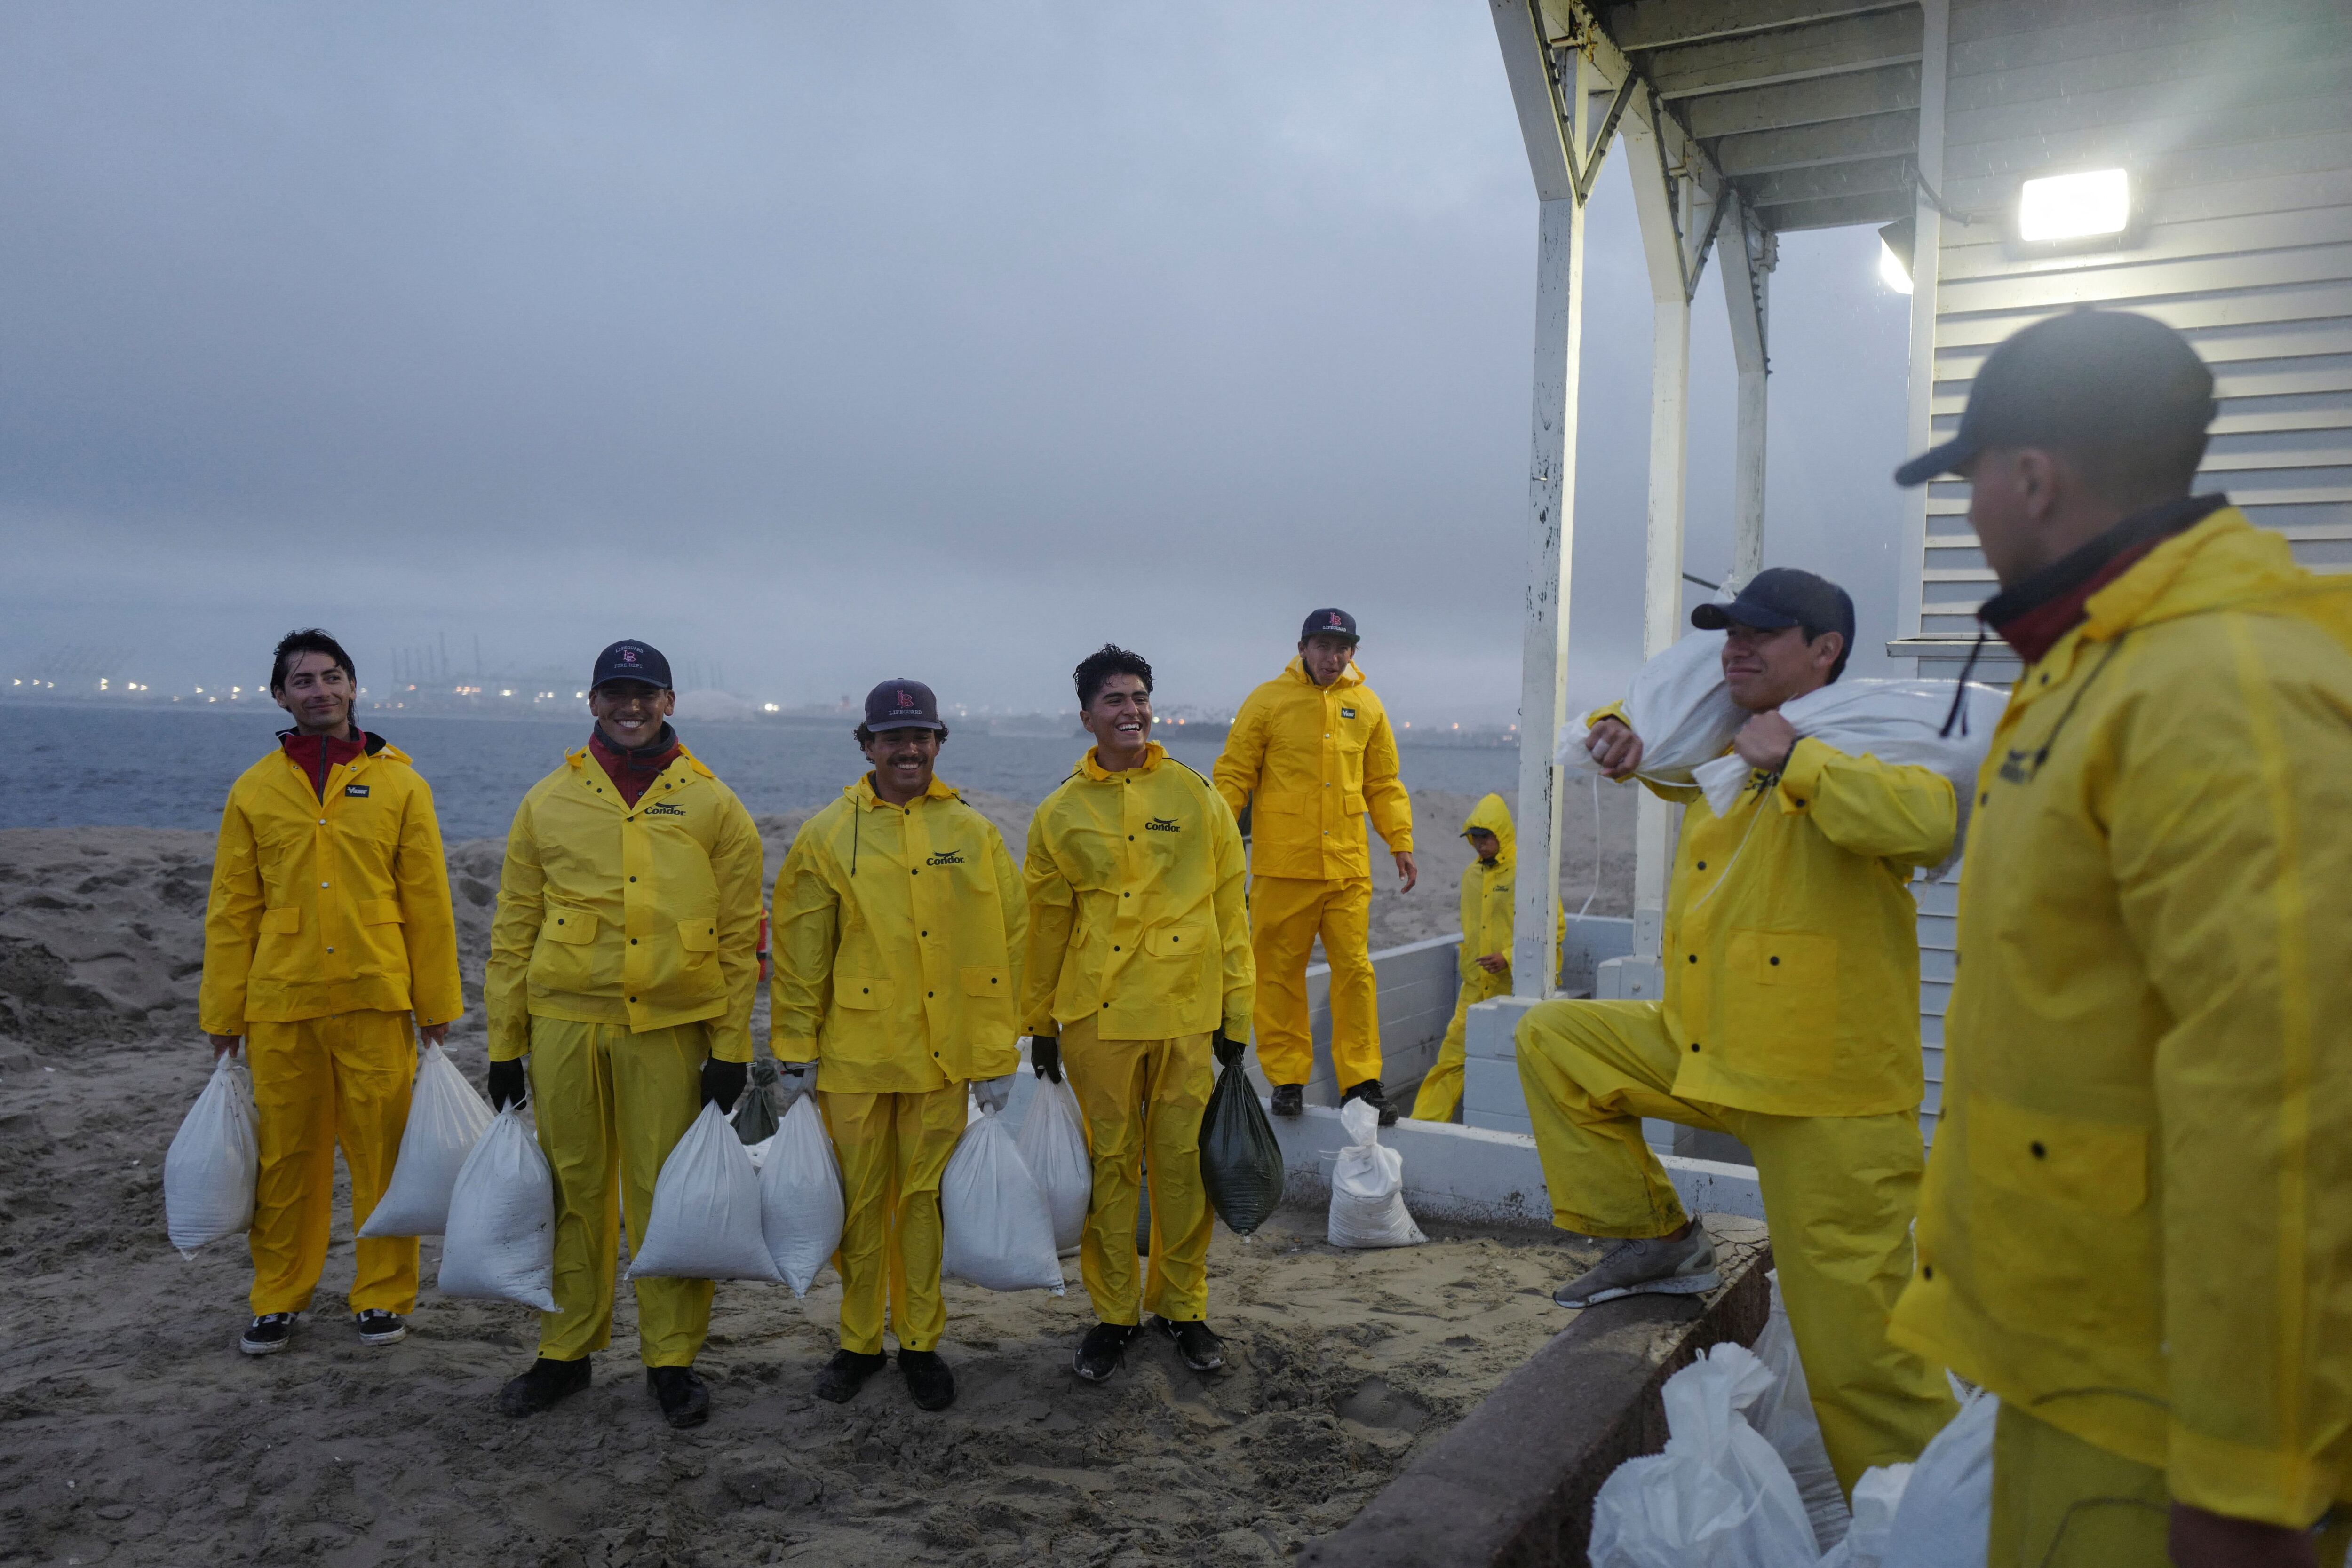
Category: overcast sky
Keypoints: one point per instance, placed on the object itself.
(823, 343)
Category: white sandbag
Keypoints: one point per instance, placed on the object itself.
(209, 1170)
(705, 1223)
(1898, 722)
(996, 1230)
(1783, 1416)
(1719, 1496)
(1876, 1496)
(1678, 704)
(445, 1119)
(501, 1241)
(1945, 1520)
(800, 1205)
(1368, 1186)
(1053, 1144)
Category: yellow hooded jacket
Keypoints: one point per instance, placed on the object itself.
(897, 941)
(1138, 915)
(1792, 938)
(329, 906)
(1488, 913)
(646, 916)
(1316, 759)
(2137, 1222)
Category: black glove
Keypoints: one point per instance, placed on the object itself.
(507, 1084)
(722, 1082)
(1229, 1051)
(1045, 1056)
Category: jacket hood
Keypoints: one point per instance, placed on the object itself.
(1492, 816)
(2237, 566)
(1352, 676)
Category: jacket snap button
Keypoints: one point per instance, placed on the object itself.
(2040, 1153)
(633, 998)
(1114, 947)
(1693, 1045)
(930, 993)
(1702, 865)
(1927, 1272)
(1694, 958)
(1984, 798)
(1776, 959)
(632, 941)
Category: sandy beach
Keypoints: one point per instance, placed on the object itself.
(131, 1431)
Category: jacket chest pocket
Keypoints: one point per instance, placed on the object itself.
(2069, 1195)
(699, 938)
(1177, 949)
(986, 981)
(859, 993)
(1781, 1002)
(573, 927)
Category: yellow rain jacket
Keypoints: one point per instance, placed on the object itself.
(897, 941)
(644, 915)
(329, 906)
(2136, 1224)
(1792, 940)
(1316, 759)
(1137, 913)
(1488, 900)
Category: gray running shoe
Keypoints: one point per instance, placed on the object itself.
(1660, 1267)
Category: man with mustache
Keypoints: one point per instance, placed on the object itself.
(898, 921)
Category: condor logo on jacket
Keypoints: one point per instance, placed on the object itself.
(1163, 825)
(664, 808)
(950, 857)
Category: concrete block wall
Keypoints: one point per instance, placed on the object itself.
(1417, 987)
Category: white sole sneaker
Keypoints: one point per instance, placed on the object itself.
(388, 1337)
(1678, 1285)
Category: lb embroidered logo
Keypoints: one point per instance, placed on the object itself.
(357, 791)
(1163, 825)
(1346, 712)
(664, 808)
(950, 857)
(2013, 768)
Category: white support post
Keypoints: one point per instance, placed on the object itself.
(1661, 595)
(1748, 257)
(1935, 55)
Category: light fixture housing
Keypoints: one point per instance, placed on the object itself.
(1897, 243)
(2060, 207)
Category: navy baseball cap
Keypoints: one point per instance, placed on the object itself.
(1329, 624)
(1782, 596)
(2083, 381)
(902, 704)
(631, 661)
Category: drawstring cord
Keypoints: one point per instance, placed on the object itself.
(1959, 714)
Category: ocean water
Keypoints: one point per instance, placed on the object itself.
(159, 768)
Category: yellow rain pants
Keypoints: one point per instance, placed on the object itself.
(338, 1080)
(610, 1106)
(1286, 913)
(893, 1150)
(1139, 1096)
(1839, 1193)
(2060, 1502)
(1441, 1091)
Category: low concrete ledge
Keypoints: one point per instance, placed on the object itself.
(1479, 1175)
(1512, 1485)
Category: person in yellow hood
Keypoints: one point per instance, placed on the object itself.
(1486, 958)
(898, 920)
(328, 934)
(1138, 977)
(2136, 1228)
(624, 960)
(1309, 753)
(1789, 1019)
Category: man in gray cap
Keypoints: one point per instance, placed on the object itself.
(2136, 1229)
(1789, 1019)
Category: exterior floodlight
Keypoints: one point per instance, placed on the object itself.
(2074, 206)
(1897, 242)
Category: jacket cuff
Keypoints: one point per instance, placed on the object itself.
(792, 1046)
(221, 1026)
(2242, 1482)
(1801, 780)
(731, 1042)
(509, 1047)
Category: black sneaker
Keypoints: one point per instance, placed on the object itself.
(1289, 1099)
(545, 1385)
(846, 1374)
(1202, 1350)
(1369, 1092)
(380, 1328)
(1102, 1350)
(930, 1380)
(268, 1334)
(684, 1397)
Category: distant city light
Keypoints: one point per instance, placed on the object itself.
(769, 707)
(2074, 206)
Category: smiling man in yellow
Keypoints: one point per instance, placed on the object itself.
(328, 932)
(1309, 753)
(622, 965)
(2138, 1224)
(1138, 976)
(898, 920)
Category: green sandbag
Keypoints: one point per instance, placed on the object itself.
(755, 1113)
(1240, 1162)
